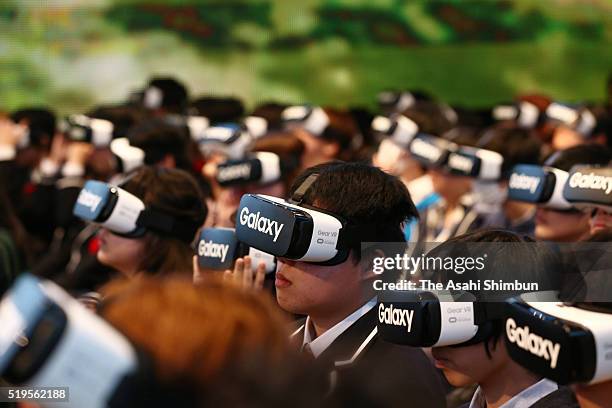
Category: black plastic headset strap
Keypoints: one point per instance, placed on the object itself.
(159, 221)
(300, 192)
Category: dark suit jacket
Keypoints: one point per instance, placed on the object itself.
(367, 371)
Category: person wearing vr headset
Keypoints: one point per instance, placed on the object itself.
(474, 352)
(269, 168)
(556, 219)
(452, 214)
(577, 125)
(578, 325)
(326, 133)
(157, 243)
(162, 96)
(324, 274)
(588, 188)
(504, 147)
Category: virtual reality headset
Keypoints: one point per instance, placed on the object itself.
(49, 339)
(540, 185)
(435, 318)
(229, 139)
(565, 343)
(127, 157)
(197, 125)
(431, 151)
(579, 119)
(125, 214)
(393, 101)
(313, 119)
(260, 167)
(290, 229)
(525, 114)
(256, 125)
(219, 248)
(588, 187)
(399, 129)
(81, 128)
(473, 162)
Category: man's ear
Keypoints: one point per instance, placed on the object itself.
(366, 265)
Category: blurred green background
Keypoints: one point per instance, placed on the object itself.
(73, 54)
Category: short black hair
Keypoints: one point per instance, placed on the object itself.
(582, 154)
(363, 195)
(515, 144)
(123, 117)
(430, 117)
(158, 138)
(175, 93)
(218, 109)
(41, 123)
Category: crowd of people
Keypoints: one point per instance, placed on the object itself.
(181, 251)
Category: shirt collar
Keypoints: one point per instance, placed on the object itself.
(321, 343)
(523, 399)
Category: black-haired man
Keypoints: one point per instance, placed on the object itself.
(340, 327)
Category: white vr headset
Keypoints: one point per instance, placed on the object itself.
(81, 128)
(230, 139)
(568, 343)
(431, 151)
(197, 125)
(259, 167)
(398, 133)
(312, 119)
(127, 156)
(125, 214)
(435, 318)
(542, 185)
(589, 187)
(474, 162)
(525, 114)
(290, 229)
(580, 120)
(391, 101)
(256, 125)
(48, 339)
(219, 248)
(399, 129)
